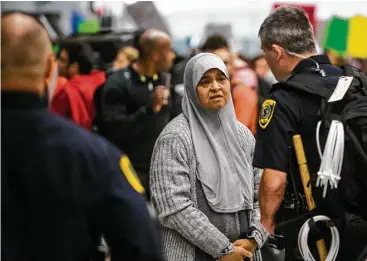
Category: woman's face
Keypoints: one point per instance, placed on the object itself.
(213, 90)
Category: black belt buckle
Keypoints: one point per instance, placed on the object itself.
(276, 242)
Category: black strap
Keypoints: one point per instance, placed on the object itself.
(356, 143)
(314, 230)
(286, 223)
(349, 70)
(364, 135)
(290, 153)
(363, 255)
(355, 109)
(244, 222)
(309, 84)
(329, 223)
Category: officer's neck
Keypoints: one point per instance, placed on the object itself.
(307, 55)
(145, 67)
(26, 85)
(296, 59)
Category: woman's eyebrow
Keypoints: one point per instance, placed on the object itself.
(205, 77)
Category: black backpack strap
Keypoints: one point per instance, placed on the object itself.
(364, 135)
(309, 84)
(363, 255)
(349, 70)
(356, 143)
(283, 225)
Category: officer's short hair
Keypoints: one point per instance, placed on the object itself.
(290, 28)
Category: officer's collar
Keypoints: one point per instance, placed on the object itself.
(307, 63)
(22, 100)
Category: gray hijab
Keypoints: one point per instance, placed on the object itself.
(226, 179)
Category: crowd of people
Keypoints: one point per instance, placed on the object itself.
(85, 151)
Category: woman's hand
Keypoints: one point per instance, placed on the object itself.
(237, 255)
(248, 244)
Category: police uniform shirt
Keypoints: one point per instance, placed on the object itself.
(63, 188)
(286, 112)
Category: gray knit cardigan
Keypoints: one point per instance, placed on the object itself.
(174, 197)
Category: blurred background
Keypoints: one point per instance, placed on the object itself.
(190, 22)
(103, 35)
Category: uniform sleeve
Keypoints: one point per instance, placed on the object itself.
(277, 120)
(126, 223)
(171, 196)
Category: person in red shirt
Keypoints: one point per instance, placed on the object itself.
(245, 101)
(74, 100)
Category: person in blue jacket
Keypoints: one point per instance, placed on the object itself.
(62, 188)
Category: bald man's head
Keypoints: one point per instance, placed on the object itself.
(150, 40)
(25, 52)
(156, 45)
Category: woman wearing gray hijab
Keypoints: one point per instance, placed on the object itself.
(203, 186)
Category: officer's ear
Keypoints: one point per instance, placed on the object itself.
(278, 52)
(51, 59)
(52, 73)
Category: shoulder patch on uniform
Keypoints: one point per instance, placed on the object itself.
(266, 113)
(130, 174)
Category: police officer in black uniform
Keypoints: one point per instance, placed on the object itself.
(288, 43)
(62, 187)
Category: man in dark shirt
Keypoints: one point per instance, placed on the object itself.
(62, 187)
(287, 40)
(136, 103)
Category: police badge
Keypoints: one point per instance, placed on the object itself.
(267, 111)
(130, 174)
